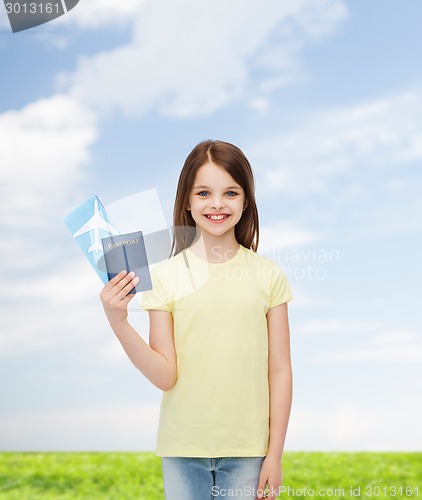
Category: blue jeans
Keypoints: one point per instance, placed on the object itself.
(192, 478)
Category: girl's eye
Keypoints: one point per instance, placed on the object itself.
(235, 194)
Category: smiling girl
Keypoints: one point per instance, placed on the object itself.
(219, 341)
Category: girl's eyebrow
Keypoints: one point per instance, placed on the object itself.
(207, 187)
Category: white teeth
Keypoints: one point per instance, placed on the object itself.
(216, 217)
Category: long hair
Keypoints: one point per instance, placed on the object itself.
(235, 163)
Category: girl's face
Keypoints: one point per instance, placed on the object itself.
(214, 191)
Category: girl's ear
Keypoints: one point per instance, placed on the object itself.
(245, 205)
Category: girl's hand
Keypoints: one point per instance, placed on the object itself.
(270, 475)
(115, 296)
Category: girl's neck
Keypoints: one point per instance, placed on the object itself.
(217, 249)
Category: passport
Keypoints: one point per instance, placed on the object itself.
(127, 251)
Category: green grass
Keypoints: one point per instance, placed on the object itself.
(115, 476)
(80, 476)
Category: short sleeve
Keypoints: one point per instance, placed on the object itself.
(157, 297)
(280, 287)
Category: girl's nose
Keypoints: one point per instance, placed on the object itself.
(217, 205)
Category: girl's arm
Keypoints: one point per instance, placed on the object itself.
(280, 385)
(156, 361)
(280, 377)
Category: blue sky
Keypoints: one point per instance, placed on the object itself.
(324, 97)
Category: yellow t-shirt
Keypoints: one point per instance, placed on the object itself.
(219, 405)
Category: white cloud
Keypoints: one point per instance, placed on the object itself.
(72, 285)
(170, 62)
(317, 327)
(403, 215)
(350, 427)
(260, 104)
(380, 134)
(36, 326)
(130, 427)
(344, 165)
(394, 338)
(411, 353)
(61, 308)
(305, 300)
(378, 341)
(39, 325)
(382, 344)
(281, 234)
(43, 148)
(97, 14)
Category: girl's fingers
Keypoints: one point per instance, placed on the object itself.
(119, 287)
(109, 287)
(120, 281)
(128, 298)
(115, 280)
(129, 286)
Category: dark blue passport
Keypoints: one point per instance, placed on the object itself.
(127, 251)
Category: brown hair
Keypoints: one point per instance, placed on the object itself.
(235, 163)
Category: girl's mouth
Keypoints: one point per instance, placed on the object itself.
(217, 219)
